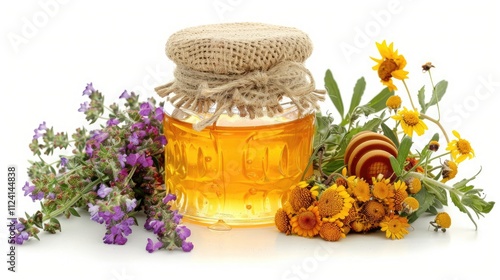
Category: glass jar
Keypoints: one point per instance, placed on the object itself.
(238, 170)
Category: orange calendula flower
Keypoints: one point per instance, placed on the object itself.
(460, 149)
(391, 65)
(410, 122)
(395, 226)
(307, 222)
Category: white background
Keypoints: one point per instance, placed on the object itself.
(50, 49)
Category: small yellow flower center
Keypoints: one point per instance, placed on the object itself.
(386, 68)
(463, 146)
(411, 119)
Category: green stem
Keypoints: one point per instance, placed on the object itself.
(436, 122)
(409, 95)
(74, 200)
(437, 101)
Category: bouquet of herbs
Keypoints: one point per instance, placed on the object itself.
(368, 175)
(114, 172)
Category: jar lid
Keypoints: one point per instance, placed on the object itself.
(235, 48)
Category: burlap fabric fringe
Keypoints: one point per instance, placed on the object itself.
(253, 94)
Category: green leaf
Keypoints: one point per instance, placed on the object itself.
(425, 200)
(391, 134)
(378, 102)
(396, 166)
(334, 92)
(458, 203)
(437, 93)
(372, 124)
(359, 89)
(404, 150)
(421, 99)
(73, 212)
(437, 191)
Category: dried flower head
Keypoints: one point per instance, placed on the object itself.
(427, 66)
(441, 222)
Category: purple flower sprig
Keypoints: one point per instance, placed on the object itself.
(113, 171)
(165, 224)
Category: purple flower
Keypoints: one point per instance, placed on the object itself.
(153, 246)
(21, 237)
(132, 159)
(28, 189)
(39, 131)
(100, 136)
(84, 107)
(37, 134)
(145, 109)
(51, 196)
(122, 159)
(116, 234)
(169, 197)
(103, 191)
(187, 246)
(131, 204)
(88, 89)
(89, 150)
(159, 114)
(157, 226)
(147, 224)
(42, 126)
(64, 161)
(125, 95)
(117, 213)
(112, 122)
(37, 196)
(19, 226)
(114, 237)
(177, 217)
(93, 211)
(183, 232)
(145, 161)
(134, 139)
(162, 139)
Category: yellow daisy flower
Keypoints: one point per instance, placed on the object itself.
(395, 226)
(358, 188)
(307, 222)
(410, 122)
(334, 203)
(400, 194)
(391, 65)
(460, 149)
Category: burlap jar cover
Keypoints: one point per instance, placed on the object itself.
(246, 68)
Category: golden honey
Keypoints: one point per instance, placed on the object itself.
(237, 170)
